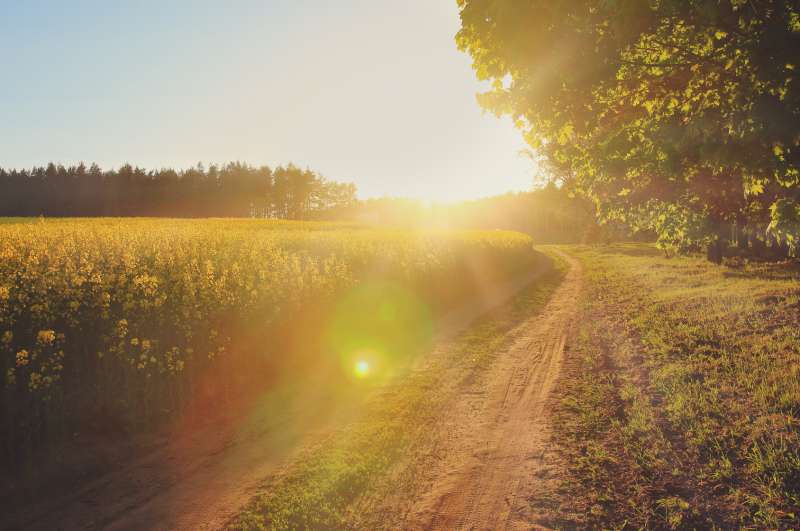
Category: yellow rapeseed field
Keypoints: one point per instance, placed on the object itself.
(120, 316)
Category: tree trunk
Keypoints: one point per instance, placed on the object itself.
(758, 245)
(714, 251)
(741, 236)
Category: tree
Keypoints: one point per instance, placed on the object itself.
(678, 116)
(233, 190)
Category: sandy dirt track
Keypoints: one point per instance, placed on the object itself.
(494, 440)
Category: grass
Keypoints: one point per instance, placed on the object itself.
(681, 404)
(342, 482)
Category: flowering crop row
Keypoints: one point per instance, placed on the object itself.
(118, 315)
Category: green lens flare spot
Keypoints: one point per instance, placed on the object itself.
(381, 323)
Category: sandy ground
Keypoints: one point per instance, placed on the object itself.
(196, 480)
(203, 476)
(493, 454)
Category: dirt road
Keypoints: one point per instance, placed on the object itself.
(494, 438)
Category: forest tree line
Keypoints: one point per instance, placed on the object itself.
(549, 214)
(230, 190)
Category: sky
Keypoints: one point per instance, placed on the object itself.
(373, 92)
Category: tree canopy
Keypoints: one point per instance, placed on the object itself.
(676, 116)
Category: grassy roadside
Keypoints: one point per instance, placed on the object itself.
(343, 481)
(681, 405)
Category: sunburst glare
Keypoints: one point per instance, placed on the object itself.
(361, 369)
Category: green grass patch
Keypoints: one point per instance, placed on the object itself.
(682, 395)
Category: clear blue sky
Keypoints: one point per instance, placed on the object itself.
(373, 91)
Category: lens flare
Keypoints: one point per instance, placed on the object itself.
(361, 369)
(378, 328)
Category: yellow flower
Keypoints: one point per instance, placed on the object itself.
(8, 336)
(122, 328)
(22, 358)
(45, 337)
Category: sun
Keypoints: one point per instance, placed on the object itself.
(361, 369)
